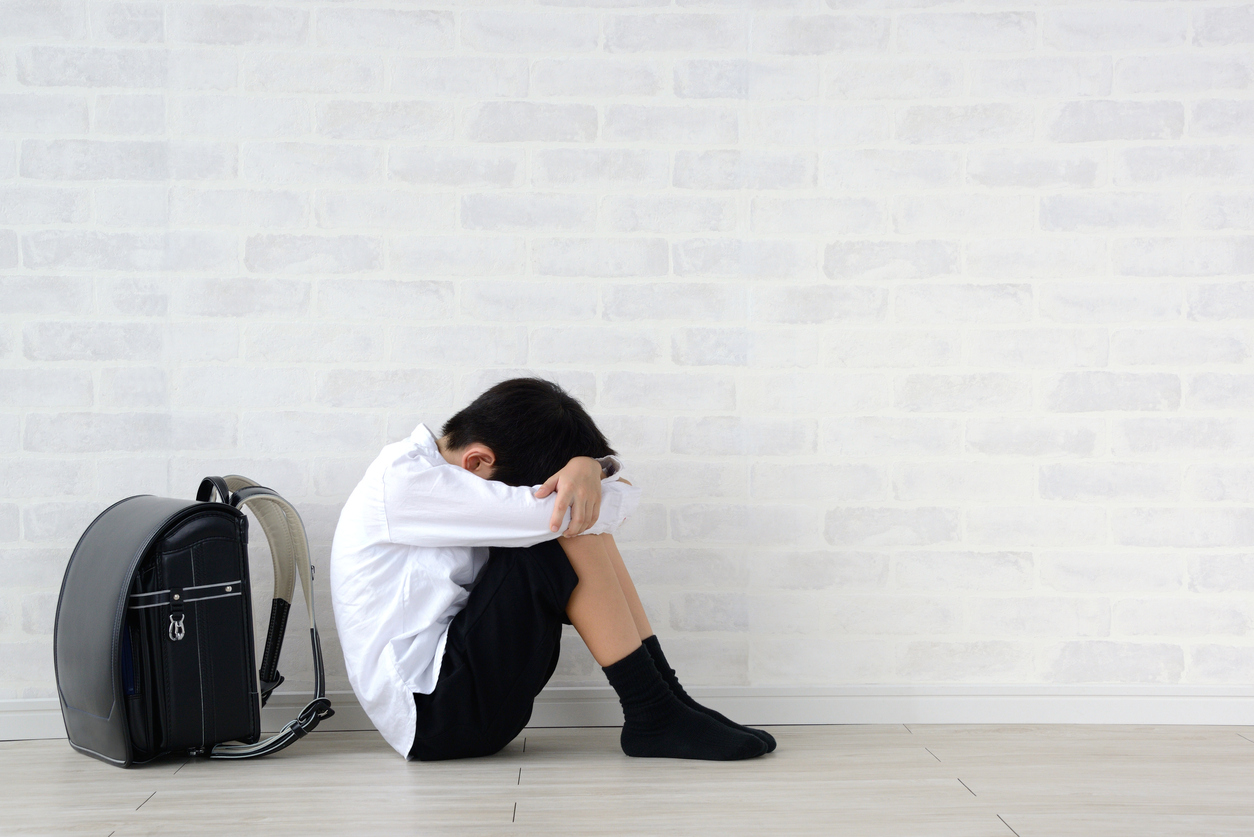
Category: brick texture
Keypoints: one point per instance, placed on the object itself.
(926, 328)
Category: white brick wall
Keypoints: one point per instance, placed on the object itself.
(926, 328)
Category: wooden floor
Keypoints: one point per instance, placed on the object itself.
(895, 781)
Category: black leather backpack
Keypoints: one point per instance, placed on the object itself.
(153, 644)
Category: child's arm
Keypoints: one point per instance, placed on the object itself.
(444, 505)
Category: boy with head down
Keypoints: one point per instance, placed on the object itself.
(452, 575)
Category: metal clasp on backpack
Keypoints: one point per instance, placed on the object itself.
(177, 631)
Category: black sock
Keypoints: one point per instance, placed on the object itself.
(657, 724)
(668, 674)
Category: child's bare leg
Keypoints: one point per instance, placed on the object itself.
(655, 648)
(598, 608)
(655, 722)
(629, 589)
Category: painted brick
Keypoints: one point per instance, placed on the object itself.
(420, 121)
(893, 79)
(243, 116)
(674, 33)
(237, 24)
(297, 162)
(918, 482)
(311, 254)
(45, 294)
(1039, 347)
(1027, 527)
(670, 124)
(1093, 30)
(595, 77)
(613, 257)
(697, 391)
(528, 212)
(523, 121)
(1049, 167)
(421, 389)
(236, 207)
(953, 124)
(1218, 482)
(374, 210)
(288, 72)
(1032, 436)
(739, 79)
(92, 341)
(133, 206)
(820, 34)
(736, 257)
(742, 524)
(966, 32)
(1183, 527)
(43, 205)
(1224, 26)
(27, 388)
(83, 250)
(52, 113)
(600, 345)
(452, 256)
(817, 304)
(887, 526)
(667, 213)
(1120, 302)
(456, 166)
(743, 170)
(313, 344)
(1114, 480)
(1209, 256)
(141, 114)
(563, 167)
(523, 301)
(1182, 73)
(509, 31)
(877, 169)
(1079, 392)
(452, 77)
(1219, 212)
(685, 302)
(446, 346)
(880, 436)
(1045, 77)
(963, 303)
(367, 29)
(726, 435)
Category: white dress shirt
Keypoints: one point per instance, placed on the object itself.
(410, 543)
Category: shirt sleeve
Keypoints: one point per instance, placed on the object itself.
(438, 505)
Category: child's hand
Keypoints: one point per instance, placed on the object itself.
(578, 487)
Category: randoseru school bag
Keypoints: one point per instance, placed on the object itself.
(153, 644)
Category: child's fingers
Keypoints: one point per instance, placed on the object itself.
(550, 485)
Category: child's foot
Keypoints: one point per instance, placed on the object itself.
(656, 724)
(688, 734)
(672, 680)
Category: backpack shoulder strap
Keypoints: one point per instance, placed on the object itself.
(289, 553)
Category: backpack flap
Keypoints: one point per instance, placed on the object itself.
(87, 636)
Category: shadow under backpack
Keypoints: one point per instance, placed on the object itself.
(153, 644)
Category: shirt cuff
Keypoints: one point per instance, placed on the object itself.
(610, 465)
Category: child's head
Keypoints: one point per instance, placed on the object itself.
(533, 428)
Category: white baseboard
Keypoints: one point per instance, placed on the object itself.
(766, 706)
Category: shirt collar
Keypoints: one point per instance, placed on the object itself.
(422, 437)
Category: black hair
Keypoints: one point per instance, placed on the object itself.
(533, 427)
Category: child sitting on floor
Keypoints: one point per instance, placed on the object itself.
(451, 577)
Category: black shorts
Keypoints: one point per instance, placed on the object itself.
(502, 648)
